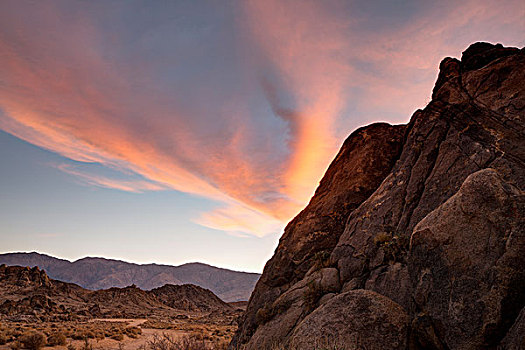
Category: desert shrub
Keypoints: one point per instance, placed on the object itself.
(382, 238)
(77, 336)
(320, 345)
(56, 339)
(117, 337)
(164, 342)
(312, 295)
(71, 347)
(394, 247)
(33, 341)
(86, 345)
(16, 345)
(98, 334)
(133, 332)
(89, 334)
(322, 259)
(191, 342)
(81, 334)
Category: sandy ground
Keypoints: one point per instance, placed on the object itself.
(126, 344)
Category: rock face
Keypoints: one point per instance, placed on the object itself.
(358, 319)
(428, 216)
(515, 339)
(358, 169)
(467, 262)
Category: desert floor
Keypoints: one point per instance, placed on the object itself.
(108, 334)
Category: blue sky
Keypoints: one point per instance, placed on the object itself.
(194, 130)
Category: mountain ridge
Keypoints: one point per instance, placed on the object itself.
(101, 273)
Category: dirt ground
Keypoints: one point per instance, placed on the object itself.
(148, 329)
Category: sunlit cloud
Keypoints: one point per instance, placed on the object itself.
(303, 45)
(244, 106)
(240, 220)
(136, 186)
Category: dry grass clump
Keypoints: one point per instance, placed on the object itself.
(3, 339)
(56, 338)
(190, 342)
(311, 295)
(382, 238)
(212, 333)
(132, 332)
(322, 259)
(321, 345)
(33, 341)
(20, 335)
(81, 334)
(118, 337)
(203, 332)
(86, 345)
(394, 246)
(16, 345)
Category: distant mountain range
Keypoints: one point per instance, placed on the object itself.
(100, 273)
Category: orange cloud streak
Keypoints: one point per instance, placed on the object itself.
(137, 186)
(62, 92)
(305, 45)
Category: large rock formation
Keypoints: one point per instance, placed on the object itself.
(425, 222)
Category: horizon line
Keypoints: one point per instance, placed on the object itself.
(127, 261)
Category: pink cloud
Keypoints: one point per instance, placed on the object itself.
(136, 186)
(305, 76)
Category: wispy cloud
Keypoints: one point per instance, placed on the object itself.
(136, 186)
(244, 103)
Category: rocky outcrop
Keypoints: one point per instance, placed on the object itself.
(189, 297)
(365, 158)
(29, 292)
(24, 277)
(434, 222)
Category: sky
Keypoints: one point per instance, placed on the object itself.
(179, 131)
